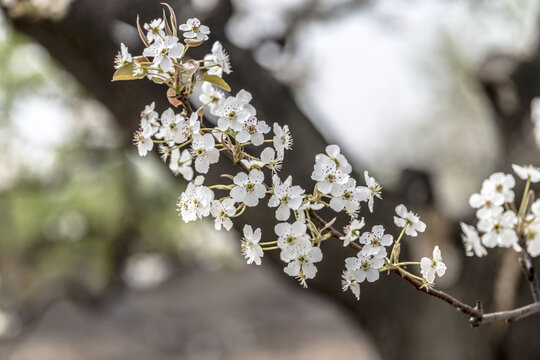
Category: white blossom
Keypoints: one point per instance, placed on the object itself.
(471, 241)
(346, 196)
(352, 231)
(204, 151)
(149, 117)
(222, 211)
(194, 203)
(156, 30)
(249, 188)
(500, 185)
(143, 140)
(194, 30)
(211, 96)
(333, 153)
(430, 267)
(292, 240)
(348, 281)
(303, 265)
(269, 159)
(286, 197)
(251, 249)
(180, 164)
(409, 219)
(234, 111)
(375, 241)
(253, 130)
(371, 191)
(487, 204)
(328, 176)
(123, 57)
(165, 52)
(218, 61)
(366, 267)
(526, 172)
(499, 230)
(532, 233)
(282, 138)
(173, 127)
(535, 208)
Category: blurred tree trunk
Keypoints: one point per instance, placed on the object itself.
(404, 323)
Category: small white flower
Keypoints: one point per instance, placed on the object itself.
(292, 240)
(149, 117)
(194, 30)
(194, 203)
(212, 96)
(269, 159)
(471, 241)
(366, 267)
(348, 281)
(409, 219)
(303, 265)
(499, 230)
(532, 233)
(222, 211)
(173, 127)
(218, 60)
(375, 241)
(430, 267)
(251, 249)
(181, 164)
(165, 51)
(204, 151)
(371, 191)
(156, 30)
(123, 57)
(333, 153)
(487, 203)
(143, 140)
(253, 130)
(282, 138)
(328, 176)
(249, 188)
(346, 196)
(234, 112)
(286, 197)
(535, 208)
(500, 185)
(525, 172)
(352, 231)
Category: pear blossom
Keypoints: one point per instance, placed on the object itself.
(164, 151)
(173, 127)
(211, 96)
(222, 211)
(123, 57)
(193, 124)
(156, 30)
(527, 172)
(410, 220)
(535, 208)
(286, 197)
(371, 191)
(499, 230)
(269, 159)
(532, 234)
(333, 153)
(149, 117)
(194, 30)
(302, 266)
(366, 267)
(234, 112)
(348, 281)
(218, 60)
(352, 231)
(346, 196)
(328, 176)
(204, 152)
(375, 241)
(249, 188)
(253, 130)
(143, 140)
(165, 52)
(292, 240)
(251, 249)
(282, 138)
(180, 164)
(194, 203)
(500, 185)
(487, 204)
(471, 241)
(430, 267)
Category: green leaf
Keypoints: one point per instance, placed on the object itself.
(216, 80)
(125, 72)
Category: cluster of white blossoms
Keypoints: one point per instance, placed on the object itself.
(500, 222)
(191, 145)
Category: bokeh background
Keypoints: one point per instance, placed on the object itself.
(429, 96)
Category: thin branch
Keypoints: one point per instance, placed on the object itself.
(528, 270)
